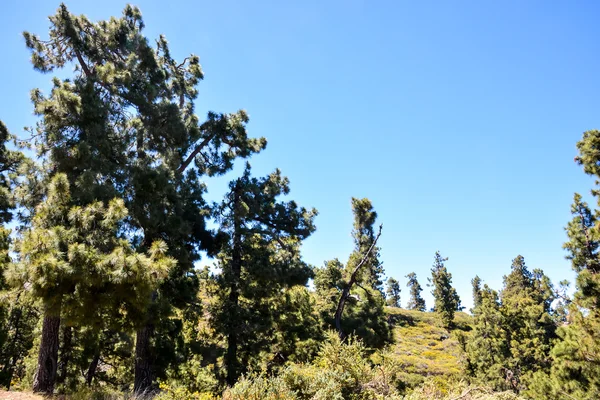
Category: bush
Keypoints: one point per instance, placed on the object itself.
(340, 372)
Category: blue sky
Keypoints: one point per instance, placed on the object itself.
(457, 119)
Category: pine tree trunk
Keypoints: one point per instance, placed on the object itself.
(91, 372)
(65, 354)
(236, 271)
(143, 366)
(45, 374)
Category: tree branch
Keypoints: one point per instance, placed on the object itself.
(194, 153)
(84, 66)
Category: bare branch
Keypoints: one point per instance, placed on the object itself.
(84, 66)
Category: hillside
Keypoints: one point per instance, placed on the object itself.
(424, 348)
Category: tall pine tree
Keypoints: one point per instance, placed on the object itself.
(350, 295)
(476, 284)
(415, 301)
(14, 331)
(123, 125)
(575, 371)
(513, 330)
(446, 300)
(393, 293)
(259, 259)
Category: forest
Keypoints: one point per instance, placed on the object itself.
(105, 218)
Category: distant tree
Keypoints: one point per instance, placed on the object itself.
(476, 283)
(393, 293)
(446, 300)
(526, 305)
(513, 330)
(488, 345)
(415, 301)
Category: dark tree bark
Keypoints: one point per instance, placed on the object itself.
(91, 372)
(65, 354)
(143, 365)
(45, 374)
(346, 292)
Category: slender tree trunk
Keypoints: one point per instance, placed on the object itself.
(91, 372)
(45, 374)
(143, 365)
(234, 295)
(65, 354)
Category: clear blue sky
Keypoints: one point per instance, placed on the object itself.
(457, 119)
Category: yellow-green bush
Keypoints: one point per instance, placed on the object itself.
(341, 371)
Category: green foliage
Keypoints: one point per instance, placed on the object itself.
(18, 331)
(513, 332)
(123, 126)
(259, 259)
(575, 372)
(75, 262)
(363, 314)
(364, 234)
(446, 300)
(393, 293)
(476, 283)
(113, 220)
(415, 302)
(15, 317)
(341, 371)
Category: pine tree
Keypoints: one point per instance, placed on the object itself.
(513, 331)
(258, 260)
(393, 293)
(415, 302)
(446, 300)
(575, 371)
(530, 328)
(476, 283)
(349, 297)
(15, 314)
(76, 264)
(371, 273)
(488, 346)
(124, 126)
